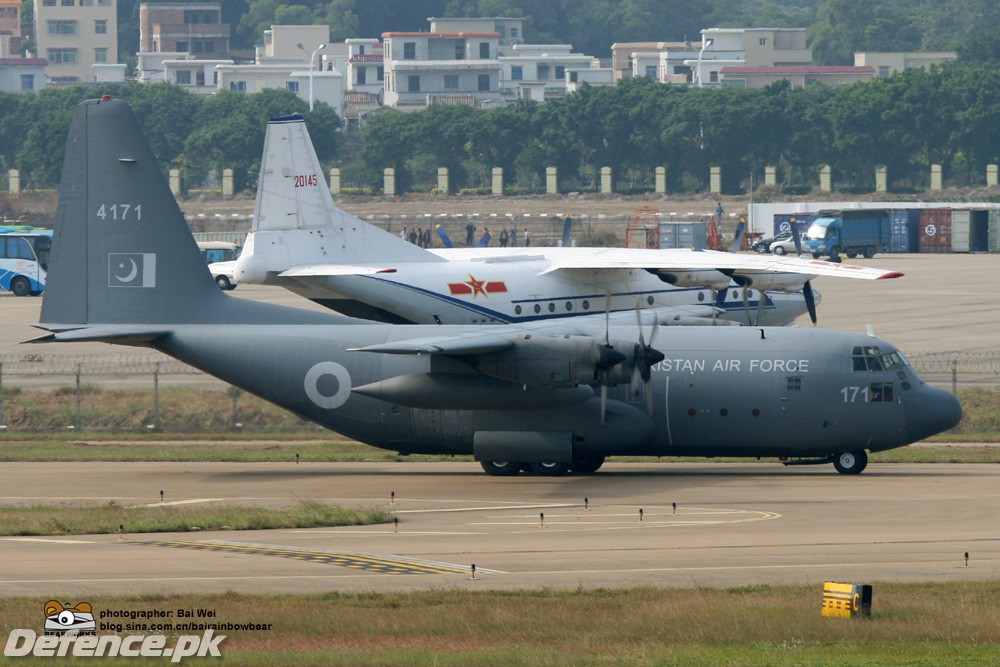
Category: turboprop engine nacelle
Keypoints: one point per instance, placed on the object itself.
(782, 282)
(545, 361)
(709, 278)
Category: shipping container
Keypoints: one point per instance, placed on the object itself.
(683, 235)
(903, 228)
(935, 230)
(993, 243)
(979, 230)
(960, 239)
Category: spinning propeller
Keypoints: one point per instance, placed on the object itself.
(644, 356)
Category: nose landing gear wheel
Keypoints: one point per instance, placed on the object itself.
(850, 463)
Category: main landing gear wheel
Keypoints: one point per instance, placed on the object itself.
(550, 469)
(850, 463)
(500, 468)
(223, 283)
(586, 465)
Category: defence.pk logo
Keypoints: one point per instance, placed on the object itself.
(60, 619)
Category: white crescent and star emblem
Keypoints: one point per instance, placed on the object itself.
(131, 274)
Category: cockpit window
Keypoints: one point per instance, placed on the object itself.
(870, 358)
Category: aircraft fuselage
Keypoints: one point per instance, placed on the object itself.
(745, 392)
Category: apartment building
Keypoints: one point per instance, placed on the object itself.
(510, 29)
(74, 35)
(10, 28)
(798, 76)
(171, 33)
(424, 68)
(748, 47)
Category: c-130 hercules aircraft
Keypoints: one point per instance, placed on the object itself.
(552, 396)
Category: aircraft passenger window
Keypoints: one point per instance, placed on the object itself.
(649, 300)
(586, 305)
(517, 310)
(569, 305)
(552, 307)
(538, 308)
(701, 296)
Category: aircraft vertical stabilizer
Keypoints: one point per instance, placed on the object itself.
(296, 222)
(120, 242)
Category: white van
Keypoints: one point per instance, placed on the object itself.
(220, 256)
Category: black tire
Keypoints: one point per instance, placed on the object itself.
(586, 465)
(549, 469)
(780, 250)
(20, 286)
(851, 463)
(869, 253)
(851, 254)
(223, 283)
(835, 254)
(816, 255)
(500, 468)
(762, 249)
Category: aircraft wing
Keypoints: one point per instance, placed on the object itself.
(683, 260)
(454, 344)
(308, 270)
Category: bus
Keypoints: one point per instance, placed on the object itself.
(24, 259)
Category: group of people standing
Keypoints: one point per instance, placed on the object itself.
(420, 237)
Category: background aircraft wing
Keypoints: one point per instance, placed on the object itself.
(684, 260)
(308, 270)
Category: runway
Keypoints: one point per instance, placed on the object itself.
(734, 525)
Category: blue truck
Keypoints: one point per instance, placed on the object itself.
(853, 233)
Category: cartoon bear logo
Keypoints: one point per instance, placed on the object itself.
(69, 620)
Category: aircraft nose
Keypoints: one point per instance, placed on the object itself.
(929, 411)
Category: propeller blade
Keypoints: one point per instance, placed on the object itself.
(738, 237)
(746, 304)
(649, 397)
(607, 318)
(761, 305)
(604, 402)
(795, 237)
(633, 386)
(807, 292)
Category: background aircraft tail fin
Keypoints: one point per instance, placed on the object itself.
(121, 249)
(295, 219)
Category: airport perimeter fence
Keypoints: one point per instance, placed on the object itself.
(149, 371)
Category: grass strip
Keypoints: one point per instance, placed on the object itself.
(911, 624)
(105, 519)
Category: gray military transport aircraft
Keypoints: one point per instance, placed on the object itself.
(552, 396)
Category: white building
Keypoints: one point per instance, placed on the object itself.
(194, 75)
(365, 67)
(22, 75)
(594, 76)
(538, 71)
(290, 74)
(424, 68)
(888, 62)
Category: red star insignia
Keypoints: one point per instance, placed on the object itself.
(476, 285)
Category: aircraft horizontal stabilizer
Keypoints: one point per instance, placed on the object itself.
(118, 335)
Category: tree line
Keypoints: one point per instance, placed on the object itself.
(906, 122)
